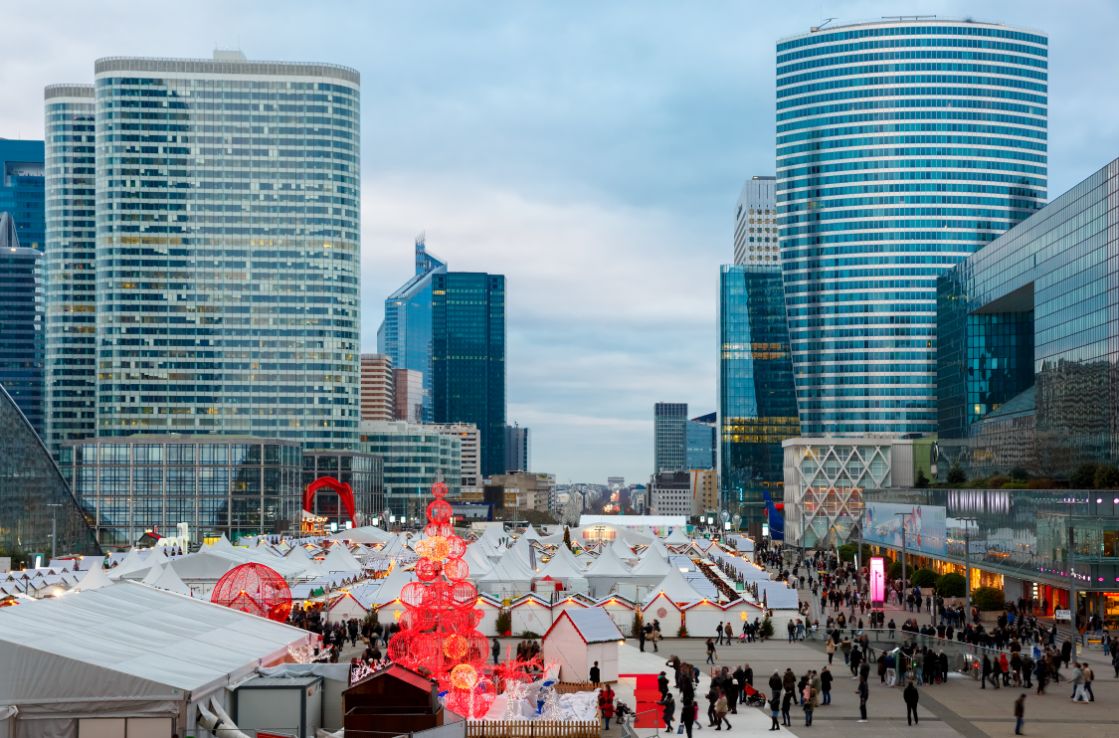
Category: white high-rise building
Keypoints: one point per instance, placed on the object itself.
(470, 441)
(755, 224)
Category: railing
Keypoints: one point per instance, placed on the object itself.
(533, 729)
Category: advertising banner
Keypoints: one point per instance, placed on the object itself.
(925, 529)
(877, 581)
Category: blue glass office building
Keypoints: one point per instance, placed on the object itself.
(405, 335)
(757, 404)
(227, 248)
(902, 147)
(1028, 362)
(22, 275)
(468, 357)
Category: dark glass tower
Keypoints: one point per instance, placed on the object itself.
(22, 225)
(468, 357)
(757, 401)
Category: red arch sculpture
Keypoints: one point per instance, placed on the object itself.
(344, 491)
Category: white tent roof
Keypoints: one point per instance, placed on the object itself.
(594, 624)
(655, 546)
(364, 534)
(676, 588)
(562, 566)
(95, 578)
(168, 580)
(392, 584)
(395, 546)
(652, 564)
(133, 562)
(222, 544)
(622, 550)
(530, 534)
(676, 537)
(521, 551)
(151, 644)
(339, 558)
(608, 565)
(477, 559)
(506, 570)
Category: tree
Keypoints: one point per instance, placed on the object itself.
(988, 598)
(923, 578)
(766, 628)
(1106, 477)
(956, 475)
(951, 585)
(922, 480)
(894, 571)
(567, 537)
(1084, 476)
(847, 552)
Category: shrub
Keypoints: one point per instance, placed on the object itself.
(504, 622)
(988, 598)
(1084, 476)
(951, 585)
(956, 475)
(847, 552)
(529, 635)
(922, 480)
(894, 572)
(1106, 477)
(923, 578)
(682, 632)
(767, 628)
(637, 625)
(567, 537)
(1016, 485)
(997, 481)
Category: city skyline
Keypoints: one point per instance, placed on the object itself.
(554, 157)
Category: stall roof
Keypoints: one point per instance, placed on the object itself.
(633, 521)
(593, 624)
(148, 642)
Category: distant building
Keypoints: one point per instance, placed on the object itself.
(468, 349)
(670, 493)
(409, 395)
(529, 490)
(405, 335)
(21, 321)
(701, 436)
(670, 436)
(34, 496)
(414, 456)
(755, 224)
(363, 472)
(757, 401)
(615, 482)
(516, 449)
(705, 491)
(377, 395)
(470, 444)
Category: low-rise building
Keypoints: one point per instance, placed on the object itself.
(670, 493)
(530, 490)
(705, 490)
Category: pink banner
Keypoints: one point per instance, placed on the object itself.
(877, 579)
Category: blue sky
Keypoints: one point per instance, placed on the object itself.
(590, 151)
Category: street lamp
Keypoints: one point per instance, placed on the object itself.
(904, 578)
(967, 562)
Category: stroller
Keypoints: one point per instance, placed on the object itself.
(754, 698)
(621, 709)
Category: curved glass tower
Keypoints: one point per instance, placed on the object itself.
(227, 252)
(902, 147)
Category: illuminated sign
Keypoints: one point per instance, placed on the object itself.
(877, 580)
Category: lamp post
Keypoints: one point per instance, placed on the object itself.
(904, 578)
(967, 562)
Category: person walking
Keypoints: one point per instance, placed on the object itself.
(721, 709)
(719, 632)
(710, 651)
(496, 650)
(911, 697)
(656, 634)
(1089, 675)
(606, 706)
(728, 629)
(808, 701)
(825, 685)
(786, 706)
(669, 704)
(864, 694)
(789, 682)
(1019, 713)
(596, 674)
(829, 648)
(688, 715)
(774, 710)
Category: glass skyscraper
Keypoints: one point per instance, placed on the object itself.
(405, 335)
(670, 436)
(71, 323)
(903, 146)
(227, 257)
(757, 404)
(468, 357)
(22, 274)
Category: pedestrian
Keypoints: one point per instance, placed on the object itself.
(911, 697)
(669, 705)
(729, 630)
(1089, 675)
(1019, 713)
(642, 635)
(688, 715)
(710, 651)
(786, 705)
(496, 650)
(829, 648)
(864, 694)
(825, 685)
(808, 700)
(596, 673)
(656, 634)
(774, 710)
(721, 709)
(662, 684)
(1077, 684)
(606, 706)
(789, 682)
(719, 632)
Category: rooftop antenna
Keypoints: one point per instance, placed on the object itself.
(817, 28)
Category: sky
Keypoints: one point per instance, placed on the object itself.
(590, 151)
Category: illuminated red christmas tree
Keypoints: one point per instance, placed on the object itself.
(438, 631)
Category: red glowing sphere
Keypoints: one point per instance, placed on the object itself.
(256, 589)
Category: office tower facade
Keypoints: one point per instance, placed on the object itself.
(414, 456)
(1028, 356)
(468, 357)
(755, 223)
(70, 392)
(408, 395)
(516, 448)
(34, 496)
(470, 449)
(363, 472)
(405, 335)
(670, 493)
(670, 436)
(903, 146)
(378, 398)
(757, 403)
(699, 437)
(21, 321)
(227, 248)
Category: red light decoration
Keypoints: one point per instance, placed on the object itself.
(344, 491)
(438, 630)
(256, 589)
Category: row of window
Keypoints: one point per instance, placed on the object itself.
(976, 59)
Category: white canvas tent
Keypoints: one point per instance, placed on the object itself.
(605, 571)
(580, 637)
(155, 655)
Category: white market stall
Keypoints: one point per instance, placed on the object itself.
(579, 638)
